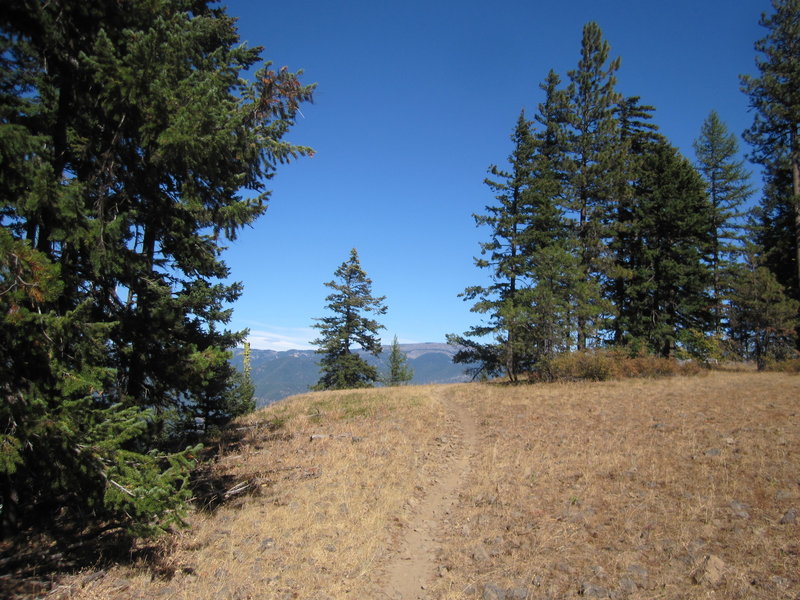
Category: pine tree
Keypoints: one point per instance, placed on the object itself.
(554, 267)
(762, 317)
(726, 183)
(637, 134)
(669, 235)
(775, 133)
(127, 131)
(590, 166)
(399, 372)
(349, 325)
(505, 255)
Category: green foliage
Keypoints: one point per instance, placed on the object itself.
(775, 139)
(127, 132)
(349, 325)
(727, 188)
(763, 319)
(399, 372)
(668, 236)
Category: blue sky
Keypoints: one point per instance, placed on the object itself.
(415, 99)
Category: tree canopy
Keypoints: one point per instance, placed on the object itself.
(133, 148)
(349, 325)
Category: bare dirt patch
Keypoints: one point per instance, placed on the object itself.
(414, 568)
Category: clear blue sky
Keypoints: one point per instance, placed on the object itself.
(415, 100)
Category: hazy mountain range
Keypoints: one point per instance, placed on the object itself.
(278, 374)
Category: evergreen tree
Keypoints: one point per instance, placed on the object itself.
(554, 267)
(127, 131)
(399, 372)
(775, 133)
(762, 317)
(505, 255)
(636, 136)
(349, 325)
(668, 239)
(591, 163)
(726, 183)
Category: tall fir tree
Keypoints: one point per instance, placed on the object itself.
(505, 301)
(637, 134)
(127, 131)
(669, 236)
(349, 325)
(554, 266)
(591, 163)
(727, 186)
(775, 136)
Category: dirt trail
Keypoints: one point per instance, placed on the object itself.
(412, 570)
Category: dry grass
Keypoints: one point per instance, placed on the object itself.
(617, 488)
(624, 488)
(324, 514)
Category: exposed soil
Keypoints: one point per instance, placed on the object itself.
(414, 567)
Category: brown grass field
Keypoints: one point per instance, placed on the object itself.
(682, 487)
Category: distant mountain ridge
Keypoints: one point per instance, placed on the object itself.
(277, 374)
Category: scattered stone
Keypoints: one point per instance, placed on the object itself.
(780, 582)
(638, 574)
(786, 495)
(627, 585)
(713, 452)
(267, 544)
(493, 592)
(442, 571)
(593, 591)
(710, 571)
(790, 517)
(330, 548)
(517, 593)
(740, 509)
(480, 554)
(564, 568)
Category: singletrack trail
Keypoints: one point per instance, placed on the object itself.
(411, 571)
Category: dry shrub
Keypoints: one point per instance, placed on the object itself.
(785, 366)
(605, 365)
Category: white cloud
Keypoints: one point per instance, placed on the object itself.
(266, 337)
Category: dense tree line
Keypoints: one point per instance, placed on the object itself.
(603, 234)
(127, 134)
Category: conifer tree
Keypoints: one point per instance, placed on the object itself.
(127, 131)
(554, 267)
(349, 325)
(669, 236)
(762, 317)
(504, 301)
(637, 134)
(726, 183)
(399, 372)
(775, 134)
(590, 167)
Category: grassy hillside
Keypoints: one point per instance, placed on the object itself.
(685, 487)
